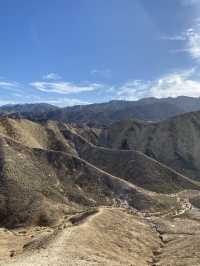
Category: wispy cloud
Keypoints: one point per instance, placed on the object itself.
(64, 87)
(189, 2)
(52, 76)
(182, 37)
(10, 85)
(133, 90)
(193, 42)
(60, 93)
(67, 102)
(61, 102)
(104, 73)
(171, 85)
(191, 39)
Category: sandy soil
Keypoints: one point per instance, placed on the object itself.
(109, 237)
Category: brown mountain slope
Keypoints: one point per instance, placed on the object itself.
(133, 166)
(38, 186)
(64, 207)
(49, 168)
(174, 142)
(36, 135)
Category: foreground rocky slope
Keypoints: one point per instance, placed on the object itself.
(89, 243)
(108, 236)
(66, 201)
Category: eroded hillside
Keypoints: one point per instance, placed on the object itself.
(174, 142)
(61, 193)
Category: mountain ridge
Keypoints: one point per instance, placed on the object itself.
(103, 114)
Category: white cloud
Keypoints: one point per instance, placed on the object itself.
(193, 42)
(176, 84)
(64, 87)
(133, 90)
(171, 85)
(52, 76)
(10, 85)
(62, 102)
(174, 38)
(191, 37)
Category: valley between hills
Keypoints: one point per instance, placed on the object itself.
(125, 193)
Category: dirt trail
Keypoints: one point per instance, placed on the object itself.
(53, 251)
(110, 236)
(113, 236)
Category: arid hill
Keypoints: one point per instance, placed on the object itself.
(66, 201)
(133, 166)
(44, 172)
(174, 142)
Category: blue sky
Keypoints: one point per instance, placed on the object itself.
(68, 52)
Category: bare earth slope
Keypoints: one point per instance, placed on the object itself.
(110, 237)
(132, 166)
(39, 185)
(174, 142)
(65, 201)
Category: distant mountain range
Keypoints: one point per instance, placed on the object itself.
(149, 109)
(33, 111)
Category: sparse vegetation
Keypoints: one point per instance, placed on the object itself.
(58, 186)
